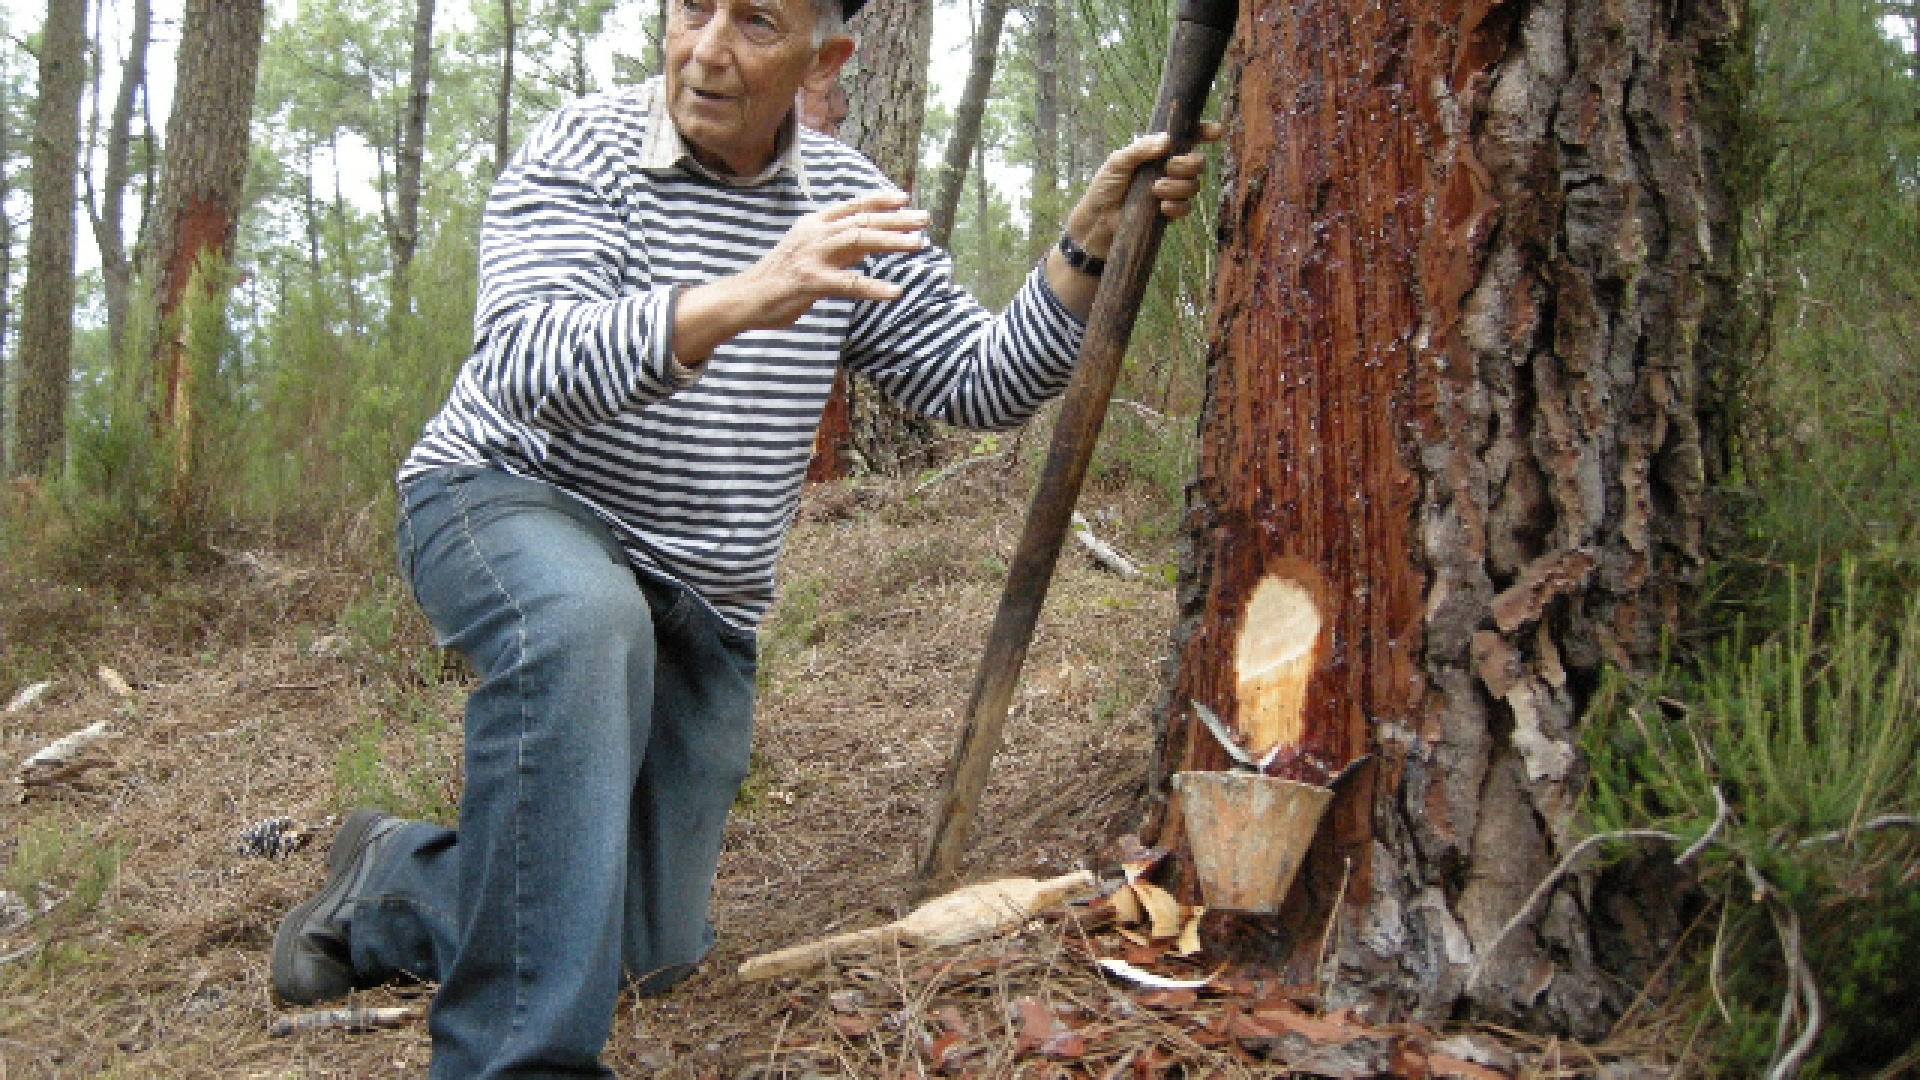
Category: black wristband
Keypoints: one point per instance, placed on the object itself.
(1080, 258)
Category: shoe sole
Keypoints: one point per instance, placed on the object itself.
(348, 843)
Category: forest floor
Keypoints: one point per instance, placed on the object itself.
(138, 942)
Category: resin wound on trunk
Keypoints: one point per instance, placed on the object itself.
(1274, 662)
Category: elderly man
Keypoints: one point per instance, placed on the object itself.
(670, 276)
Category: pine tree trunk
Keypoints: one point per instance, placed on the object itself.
(886, 85)
(1453, 389)
(408, 158)
(6, 254)
(206, 165)
(503, 100)
(1044, 219)
(116, 270)
(966, 121)
(46, 323)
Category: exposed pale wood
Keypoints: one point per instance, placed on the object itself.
(1274, 661)
(969, 914)
(1461, 319)
(367, 1019)
(62, 752)
(1105, 555)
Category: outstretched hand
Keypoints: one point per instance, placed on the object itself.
(815, 260)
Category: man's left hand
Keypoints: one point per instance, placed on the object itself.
(1094, 219)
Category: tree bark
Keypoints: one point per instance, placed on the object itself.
(6, 252)
(1043, 205)
(46, 324)
(503, 100)
(109, 224)
(966, 121)
(206, 166)
(886, 85)
(409, 154)
(1453, 386)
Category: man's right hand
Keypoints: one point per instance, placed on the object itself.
(813, 261)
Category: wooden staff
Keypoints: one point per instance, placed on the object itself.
(1199, 41)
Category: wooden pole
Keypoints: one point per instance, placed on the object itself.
(1199, 41)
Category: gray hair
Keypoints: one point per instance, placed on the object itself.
(829, 21)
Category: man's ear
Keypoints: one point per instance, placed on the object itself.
(833, 55)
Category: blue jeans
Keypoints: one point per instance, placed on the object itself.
(605, 743)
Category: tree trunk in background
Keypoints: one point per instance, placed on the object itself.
(46, 323)
(503, 101)
(966, 121)
(886, 85)
(109, 225)
(409, 155)
(1453, 393)
(6, 252)
(199, 206)
(1044, 218)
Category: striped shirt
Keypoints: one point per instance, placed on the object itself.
(599, 218)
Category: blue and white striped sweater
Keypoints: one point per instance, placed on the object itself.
(572, 379)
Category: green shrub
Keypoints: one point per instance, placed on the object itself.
(1788, 759)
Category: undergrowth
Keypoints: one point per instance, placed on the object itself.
(1782, 767)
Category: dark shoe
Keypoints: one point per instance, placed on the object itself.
(311, 963)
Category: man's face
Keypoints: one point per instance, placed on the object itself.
(733, 68)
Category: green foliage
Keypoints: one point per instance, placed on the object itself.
(794, 626)
(1807, 734)
(60, 867)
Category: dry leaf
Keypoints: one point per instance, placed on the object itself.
(1036, 1024)
(852, 1027)
(1189, 943)
(1136, 860)
(1315, 1029)
(1409, 1064)
(1163, 911)
(1447, 1065)
(1168, 999)
(1126, 906)
(114, 682)
(1134, 937)
(951, 1019)
(948, 1049)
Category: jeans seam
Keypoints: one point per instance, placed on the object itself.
(518, 1020)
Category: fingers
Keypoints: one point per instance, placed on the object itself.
(854, 285)
(871, 203)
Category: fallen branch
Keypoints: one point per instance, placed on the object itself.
(350, 1020)
(29, 695)
(969, 914)
(61, 754)
(1104, 554)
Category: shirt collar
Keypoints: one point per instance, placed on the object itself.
(665, 148)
